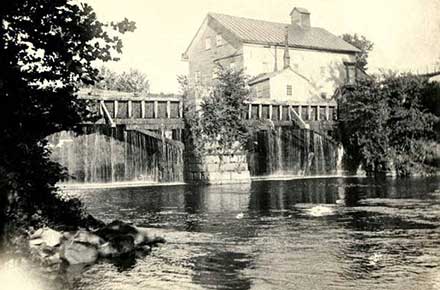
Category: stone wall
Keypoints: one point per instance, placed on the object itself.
(217, 168)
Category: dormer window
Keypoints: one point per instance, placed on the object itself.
(350, 70)
(289, 90)
(219, 40)
(208, 43)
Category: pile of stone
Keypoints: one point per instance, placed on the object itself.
(86, 247)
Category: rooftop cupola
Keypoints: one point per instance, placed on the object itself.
(300, 16)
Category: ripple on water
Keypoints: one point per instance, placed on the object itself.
(300, 234)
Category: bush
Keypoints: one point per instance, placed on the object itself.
(384, 121)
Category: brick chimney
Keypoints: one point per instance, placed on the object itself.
(286, 57)
(300, 16)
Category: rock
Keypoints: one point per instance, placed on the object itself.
(107, 250)
(116, 228)
(92, 223)
(86, 237)
(68, 235)
(140, 238)
(145, 249)
(48, 236)
(37, 234)
(54, 259)
(157, 240)
(79, 253)
(35, 242)
(122, 244)
(147, 239)
(124, 238)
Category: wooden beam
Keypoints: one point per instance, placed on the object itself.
(130, 109)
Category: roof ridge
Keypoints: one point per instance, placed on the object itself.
(253, 19)
(259, 31)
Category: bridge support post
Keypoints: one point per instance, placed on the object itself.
(270, 112)
(130, 109)
(143, 109)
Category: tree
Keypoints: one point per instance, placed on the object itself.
(363, 44)
(46, 50)
(133, 81)
(218, 124)
(384, 121)
(362, 125)
(107, 79)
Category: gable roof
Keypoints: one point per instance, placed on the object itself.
(264, 32)
(300, 10)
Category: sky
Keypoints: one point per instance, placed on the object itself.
(406, 33)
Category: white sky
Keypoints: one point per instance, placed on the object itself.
(406, 33)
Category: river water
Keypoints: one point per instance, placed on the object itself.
(334, 233)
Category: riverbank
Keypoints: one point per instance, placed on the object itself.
(57, 257)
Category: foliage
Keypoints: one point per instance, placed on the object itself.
(362, 43)
(217, 124)
(133, 81)
(46, 49)
(383, 123)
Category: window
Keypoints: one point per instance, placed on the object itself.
(219, 40)
(197, 77)
(289, 90)
(214, 74)
(322, 71)
(232, 65)
(208, 43)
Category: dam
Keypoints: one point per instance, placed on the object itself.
(141, 139)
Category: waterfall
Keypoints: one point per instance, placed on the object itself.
(105, 155)
(340, 154)
(291, 151)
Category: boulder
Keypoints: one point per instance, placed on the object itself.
(48, 236)
(86, 237)
(107, 250)
(54, 259)
(91, 222)
(116, 228)
(79, 253)
(122, 244)
(35, 242)
(144, 236)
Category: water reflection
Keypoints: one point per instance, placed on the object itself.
(302, 234)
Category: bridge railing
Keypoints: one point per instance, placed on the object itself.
(131, 106)
(259, 110)
(152, 112)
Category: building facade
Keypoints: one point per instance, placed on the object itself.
(318, 62)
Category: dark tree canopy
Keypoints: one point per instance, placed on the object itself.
(362, 43)
(47, 48)
(387, 123)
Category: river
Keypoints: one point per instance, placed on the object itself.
(334, 233)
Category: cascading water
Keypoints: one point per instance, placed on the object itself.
(103, 155)
(291, 151)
